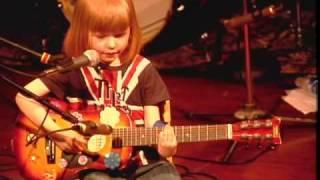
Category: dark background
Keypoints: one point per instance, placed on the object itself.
(40, 26)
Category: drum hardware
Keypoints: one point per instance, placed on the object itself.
(298, 29)
(213, 50)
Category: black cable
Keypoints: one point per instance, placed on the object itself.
(17, 72)
(188, 173)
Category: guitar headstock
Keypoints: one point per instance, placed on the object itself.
(258, 130)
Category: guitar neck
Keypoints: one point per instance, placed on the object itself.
(148, 136)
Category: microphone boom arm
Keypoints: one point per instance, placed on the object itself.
(39, 99)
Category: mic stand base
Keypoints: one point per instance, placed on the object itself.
(249, 112)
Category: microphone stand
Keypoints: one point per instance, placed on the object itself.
(41, 100)
(45, 58)
(250, 110)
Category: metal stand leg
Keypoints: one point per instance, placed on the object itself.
(228, 154)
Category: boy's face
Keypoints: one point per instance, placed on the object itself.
(110, 45)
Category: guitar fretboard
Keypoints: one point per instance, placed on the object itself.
(148, 136)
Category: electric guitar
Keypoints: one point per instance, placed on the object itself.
(44, 160)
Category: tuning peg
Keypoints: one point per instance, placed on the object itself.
(268, 123)
(256, 124)
(244, 125)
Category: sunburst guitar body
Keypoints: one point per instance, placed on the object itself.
(44, 159)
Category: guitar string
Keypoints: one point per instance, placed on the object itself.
(36, 136)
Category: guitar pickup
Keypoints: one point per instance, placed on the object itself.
(50, 148)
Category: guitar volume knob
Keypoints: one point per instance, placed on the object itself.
(112, 160)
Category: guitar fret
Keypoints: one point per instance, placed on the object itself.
(153, 137)
(207, 132)
(149, 136)
(130, 136)
(182, 134)
(189, 134)
(125, 137)
(224, 130)
(216, 126)
(157, 135)
(199, 133)
(136, 136)
(120, 134)
(144, 136)
(139, 136)
(217, 132)
(125, 133)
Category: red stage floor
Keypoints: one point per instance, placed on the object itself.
(203, 100)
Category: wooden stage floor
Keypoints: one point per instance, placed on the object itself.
(198, 99)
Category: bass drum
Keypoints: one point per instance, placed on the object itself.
(152, 15)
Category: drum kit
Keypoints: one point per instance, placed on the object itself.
(166, 24)
(152, 15)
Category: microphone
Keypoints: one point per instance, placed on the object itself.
(91, 128)
(88, 58)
